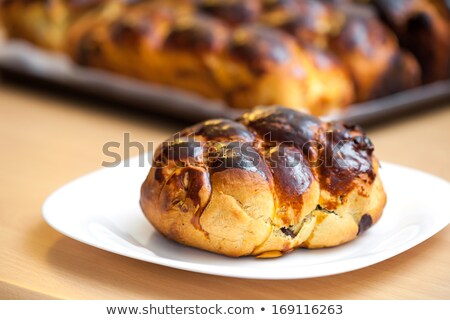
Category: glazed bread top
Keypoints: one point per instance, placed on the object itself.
(272, 142)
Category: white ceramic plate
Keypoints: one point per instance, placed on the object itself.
(102, 210)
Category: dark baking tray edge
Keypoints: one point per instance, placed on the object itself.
(184, 105)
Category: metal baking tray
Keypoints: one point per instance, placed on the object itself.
(25, 59)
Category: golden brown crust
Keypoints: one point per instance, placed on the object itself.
(311, 22)
(46, 23)
(271, 181)
(233, 12)
(30, 20)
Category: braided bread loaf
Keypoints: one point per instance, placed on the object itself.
(273, 180)
(298, 53)
(245, 65)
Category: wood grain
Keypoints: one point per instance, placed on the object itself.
(48, 140)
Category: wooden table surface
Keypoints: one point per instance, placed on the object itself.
(48, 139)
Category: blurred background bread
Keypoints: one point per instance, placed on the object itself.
(46, 23)
(423, 27)
(317, 56)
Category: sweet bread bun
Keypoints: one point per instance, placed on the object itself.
(271, 181)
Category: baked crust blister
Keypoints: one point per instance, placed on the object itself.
(269, 182)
